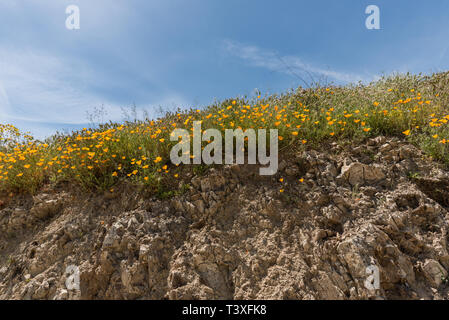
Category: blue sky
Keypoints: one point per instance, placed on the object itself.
(168, 54)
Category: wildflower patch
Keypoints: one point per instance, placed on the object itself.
(212, 153)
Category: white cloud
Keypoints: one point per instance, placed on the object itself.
(292, 65)
(44, 88)
(42, 93)
(4, 100)
(52, 81)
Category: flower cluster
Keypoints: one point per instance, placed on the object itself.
(139, 151)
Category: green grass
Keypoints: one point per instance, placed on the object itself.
(413, 107)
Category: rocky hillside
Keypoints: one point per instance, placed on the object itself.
(233, 235)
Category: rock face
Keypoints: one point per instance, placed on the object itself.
(360, 174)
(363, 223)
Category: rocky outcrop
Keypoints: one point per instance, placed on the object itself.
(345, 216)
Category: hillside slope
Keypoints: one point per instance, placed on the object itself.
(233, 235)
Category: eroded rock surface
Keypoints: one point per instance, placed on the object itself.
(233, 235)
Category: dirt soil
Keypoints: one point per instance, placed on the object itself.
(233, 235)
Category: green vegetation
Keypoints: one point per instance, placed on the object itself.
(414, 107)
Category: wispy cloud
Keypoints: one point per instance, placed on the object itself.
(39, 87)
(44, 88)
(4, 100)
(291, 65)
(56, 81)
